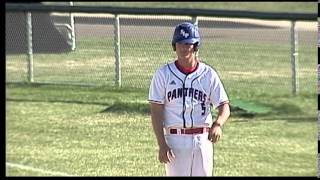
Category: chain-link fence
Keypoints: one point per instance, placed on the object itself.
(250, 55)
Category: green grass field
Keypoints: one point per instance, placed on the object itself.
(98, 131)
(102, 130)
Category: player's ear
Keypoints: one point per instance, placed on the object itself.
(196, 46)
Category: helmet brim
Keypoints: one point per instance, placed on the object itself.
(189, 41)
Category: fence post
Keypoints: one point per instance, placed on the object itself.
(29, 44)
(117, 50)
(195, 22)
(294, 58)
(73, 35)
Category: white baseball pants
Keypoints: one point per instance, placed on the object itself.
(193, 155)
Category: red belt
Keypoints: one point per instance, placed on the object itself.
(189, 131)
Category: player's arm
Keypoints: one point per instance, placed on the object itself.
(165, 153)
(223, 114)
(222, 117)
(157, 122)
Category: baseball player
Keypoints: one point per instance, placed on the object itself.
(181, 95)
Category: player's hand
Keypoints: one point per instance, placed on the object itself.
(166, 154)
(215, 133)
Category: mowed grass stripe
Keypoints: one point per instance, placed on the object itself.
(43, 171)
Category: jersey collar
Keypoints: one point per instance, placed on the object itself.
(181, 75)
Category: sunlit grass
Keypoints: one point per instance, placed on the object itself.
(73, 130)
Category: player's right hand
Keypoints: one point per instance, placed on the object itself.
(166, 154)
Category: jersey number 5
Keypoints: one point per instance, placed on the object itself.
(203, 107)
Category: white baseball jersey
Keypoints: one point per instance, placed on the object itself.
(187, 98)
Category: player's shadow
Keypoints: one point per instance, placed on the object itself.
(128, 107)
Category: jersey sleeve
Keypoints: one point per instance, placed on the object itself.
(157, 88)
(218, 95)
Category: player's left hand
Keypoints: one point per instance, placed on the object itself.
(215, 133)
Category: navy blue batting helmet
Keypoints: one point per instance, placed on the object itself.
(186, 33)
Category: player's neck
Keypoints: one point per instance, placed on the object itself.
(187, 62)
(186, 69)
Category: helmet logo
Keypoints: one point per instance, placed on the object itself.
(184, 34)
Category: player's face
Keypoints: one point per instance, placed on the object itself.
(184, 50)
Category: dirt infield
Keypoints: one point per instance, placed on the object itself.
(230, 34)
(229, 29)
(234, 29)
